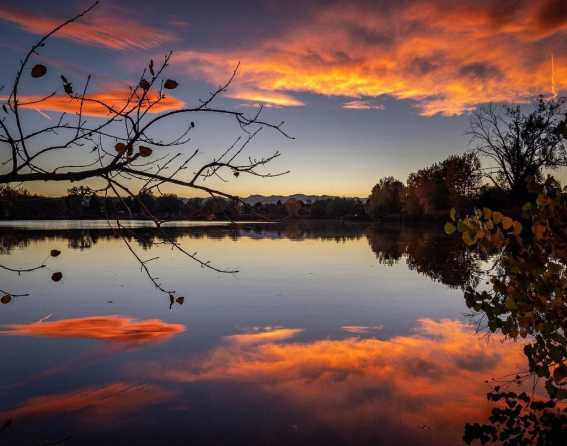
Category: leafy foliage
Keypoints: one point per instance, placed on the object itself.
(528, 295)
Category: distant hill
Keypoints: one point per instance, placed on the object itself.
(272, 199)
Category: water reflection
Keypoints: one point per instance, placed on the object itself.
(111, 328)
(427, 252)
(362, 342)
(432, 380)
(417, 389)
(94, 404)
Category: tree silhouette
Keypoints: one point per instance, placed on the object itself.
(118, 147)
(520, 144)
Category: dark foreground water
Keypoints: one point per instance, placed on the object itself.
(327, 335)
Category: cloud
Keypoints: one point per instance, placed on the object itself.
(104, 402)
(110, 328)
(362, 329)
(435, 377)
(447, 57)
(114, 98)
(266, 97)
(263, 336)
(109, 27)
(362, 105)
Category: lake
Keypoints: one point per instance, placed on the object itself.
(328, 334)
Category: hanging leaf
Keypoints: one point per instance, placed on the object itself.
(192, 124)
(236, 173)
(487, 213)
(517, 228)
(170, 84)
(6, 299)
(54, 252)
(120, 147)
(152, 67)
(180, 300)
(144, 84)
(38, 70)
(56, 277)
(145, 151)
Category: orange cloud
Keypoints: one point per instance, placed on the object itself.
(448, 57)
(108, 27)
(106, 402)
(116, 99)
(266, 97)
(111, 328)
(434, 378)
(267, 335)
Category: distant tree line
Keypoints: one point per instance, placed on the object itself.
(82, 203)
(517, 147)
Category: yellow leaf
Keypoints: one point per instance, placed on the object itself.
(487, 213)
(517, 228)
(468, 238)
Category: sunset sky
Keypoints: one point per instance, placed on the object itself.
(367, 88)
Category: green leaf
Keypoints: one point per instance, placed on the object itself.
(453, 214)
(450, 228)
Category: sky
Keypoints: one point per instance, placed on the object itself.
(366, 88)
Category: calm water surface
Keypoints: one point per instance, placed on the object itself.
(327, 335)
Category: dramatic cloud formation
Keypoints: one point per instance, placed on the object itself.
(449, 57)
(107, 27)
(115, 99)
(105, 402)
(434, 378)
(111, 328)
